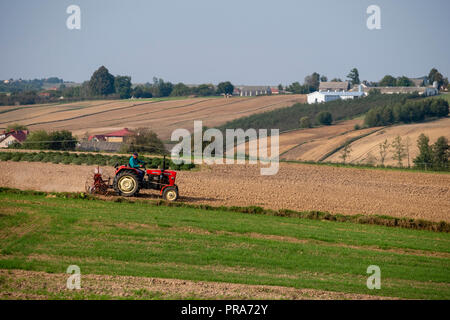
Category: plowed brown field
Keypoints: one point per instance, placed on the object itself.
(161, 116)
(296, 187)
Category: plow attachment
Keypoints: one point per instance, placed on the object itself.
(97, 184)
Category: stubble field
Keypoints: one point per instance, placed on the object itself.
(163, 117)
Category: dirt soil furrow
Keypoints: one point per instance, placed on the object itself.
(298, 187)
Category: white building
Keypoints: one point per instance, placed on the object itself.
(326, 96)
(250, 91)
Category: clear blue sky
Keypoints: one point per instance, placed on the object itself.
(244, 41)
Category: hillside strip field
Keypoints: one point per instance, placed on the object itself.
(296, 186)
(314, 144)
(369, 145)
(161, 116)
(134, 250)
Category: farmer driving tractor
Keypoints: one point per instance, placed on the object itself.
(137, 164)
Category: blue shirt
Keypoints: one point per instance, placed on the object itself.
(134, 163)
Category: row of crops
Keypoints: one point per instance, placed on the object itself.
(87, 159)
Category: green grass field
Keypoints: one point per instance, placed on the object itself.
(48, 234)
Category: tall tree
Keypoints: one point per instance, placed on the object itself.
(323, 78)
(180, 89)
(441, 154)
(407, 148)
(354, 76)
(404, 82)
(102, 82)
(425, 157)
(399, 150)
(313, 81)
(345, 152)
(388, 81)
(122, 84)
(225, 88)
(384, 148)
(435, 75)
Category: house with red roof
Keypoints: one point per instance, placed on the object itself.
(116, 136)
(14, 136)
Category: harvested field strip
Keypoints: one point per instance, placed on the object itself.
(309, 141)
(349, 141)
(368, 147)
(11, 109)
(86, 115)
(21, 284)
(97, 235)
(160, 115)
(154, 112)
(51, 112)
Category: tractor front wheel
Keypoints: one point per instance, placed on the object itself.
(126, 184)
(170, 194)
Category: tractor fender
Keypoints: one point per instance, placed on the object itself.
(126, 169)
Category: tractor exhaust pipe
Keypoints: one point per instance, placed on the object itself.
(164, 164)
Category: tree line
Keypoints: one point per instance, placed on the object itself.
(311, 82)
(288, 118)
(103, 84)
(406, 112)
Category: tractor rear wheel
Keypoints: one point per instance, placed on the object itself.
(170, 194)
(126, 183)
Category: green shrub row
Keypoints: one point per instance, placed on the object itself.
(87, 158)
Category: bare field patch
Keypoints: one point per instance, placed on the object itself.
(296, 186)
(21, 284)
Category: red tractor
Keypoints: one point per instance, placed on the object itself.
(128, 181)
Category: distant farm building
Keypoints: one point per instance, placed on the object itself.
(426, 91)
(319, 97)
(420, 82)
(274, 90)
(334, 86)
(251, 91)
(338, 93)
(14, 136)
(116, 136)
